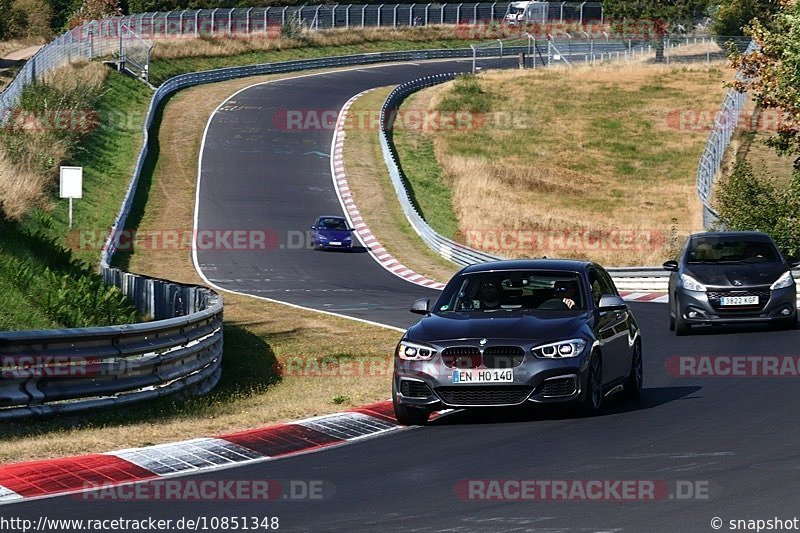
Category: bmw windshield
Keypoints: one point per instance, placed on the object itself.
(513, 291)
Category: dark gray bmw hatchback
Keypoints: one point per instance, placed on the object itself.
(508, 333)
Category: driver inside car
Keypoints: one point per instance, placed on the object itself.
(489, 294)
(566, 291)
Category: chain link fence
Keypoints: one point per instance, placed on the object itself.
(718, 141)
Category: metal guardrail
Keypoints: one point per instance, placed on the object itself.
(626, 278)
(209, 76)
(66, 371)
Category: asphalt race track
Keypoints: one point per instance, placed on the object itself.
(732, 440)
(738, 436)
(260, 172)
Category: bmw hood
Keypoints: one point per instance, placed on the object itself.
(736, 275)
(334, 234)
(544, 326)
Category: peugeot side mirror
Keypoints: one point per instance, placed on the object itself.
(421, 306)
(671, 265)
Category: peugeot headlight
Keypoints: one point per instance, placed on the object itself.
(557, 350)
(691, 284)
(784, 281)
(411, 351)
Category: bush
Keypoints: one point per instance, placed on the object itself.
(28, 19)
(746, 201)
(66, 291)
(43, 132)
(466, 95)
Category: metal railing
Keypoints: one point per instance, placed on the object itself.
(718, 141)
(66, 371)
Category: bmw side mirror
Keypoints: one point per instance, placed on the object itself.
(609, 302)
(421, 306)
(671, 265)
(794, 263)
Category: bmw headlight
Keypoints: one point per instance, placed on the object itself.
(691, 284)
(411, 351)
(561, 349)
(784, 281)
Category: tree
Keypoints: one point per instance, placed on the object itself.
(94, 10)
(662, 16)
(731, 17)
(746, 201)
(771, 74)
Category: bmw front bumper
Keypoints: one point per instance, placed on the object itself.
(430, 384)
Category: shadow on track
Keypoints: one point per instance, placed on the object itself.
(651, 397)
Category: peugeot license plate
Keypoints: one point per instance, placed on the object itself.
(739, 300)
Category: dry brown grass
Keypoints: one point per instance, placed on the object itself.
(600, 153)
(7, 48)
(273, 330)
(24, 183)
(229, 46)
(20, 190)
(375, 197)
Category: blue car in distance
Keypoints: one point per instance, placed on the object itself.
(331, 232)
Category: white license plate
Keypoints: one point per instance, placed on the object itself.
(739, 300)
(475, 375)
(335, 243)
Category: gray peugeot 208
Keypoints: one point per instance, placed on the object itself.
(731, 277)
(509, 333)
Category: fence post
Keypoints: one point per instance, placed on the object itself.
(442, 7)
(247, 26)
(213, 15)
(411, 15)
(427, 9)
(394, 16)
(90, 41)
(363, 14)
(380, 7)
(197, 23)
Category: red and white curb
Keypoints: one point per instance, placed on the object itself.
(50, 477)
(370, 242)
(657, 297)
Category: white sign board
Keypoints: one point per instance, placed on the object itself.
(71, 182)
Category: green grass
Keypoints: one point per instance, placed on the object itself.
(108, 156)
(427, 185)
(428, 190)
(43, 286)
(60, 288)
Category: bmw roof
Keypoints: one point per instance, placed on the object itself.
(572, 265)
